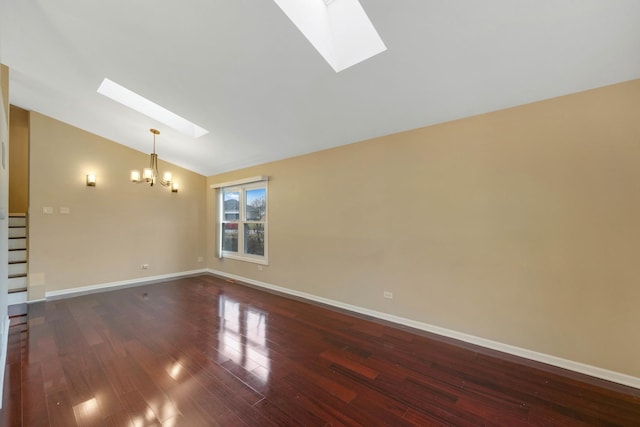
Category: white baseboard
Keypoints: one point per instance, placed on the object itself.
(3, 354)
(571, 365)
(102, 287)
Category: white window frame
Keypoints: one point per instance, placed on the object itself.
(242, 186)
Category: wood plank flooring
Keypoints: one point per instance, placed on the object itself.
(202, 351)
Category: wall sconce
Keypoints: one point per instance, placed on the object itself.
(91, 180)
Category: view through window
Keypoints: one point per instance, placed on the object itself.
(244, 222)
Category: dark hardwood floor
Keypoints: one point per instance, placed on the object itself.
(204, 352)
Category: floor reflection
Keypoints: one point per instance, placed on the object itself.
(87, 410)
(175, 370)
(243, 337)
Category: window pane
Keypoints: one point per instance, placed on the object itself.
(230, 237)
(254, 239)
(231, 205)
(256, 204)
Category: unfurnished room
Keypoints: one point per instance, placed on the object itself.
(320, 213)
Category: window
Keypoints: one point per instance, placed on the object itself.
(243, 221)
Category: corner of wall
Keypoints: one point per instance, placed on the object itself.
(4, 227)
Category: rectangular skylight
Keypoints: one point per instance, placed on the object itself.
(142, 105)
(340, 30)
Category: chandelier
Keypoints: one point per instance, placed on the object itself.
(151, 175)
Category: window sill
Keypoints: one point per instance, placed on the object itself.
(256, 260)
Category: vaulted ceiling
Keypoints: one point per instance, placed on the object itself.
(242, 70)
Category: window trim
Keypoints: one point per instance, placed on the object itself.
(242, 186)
(239, 182)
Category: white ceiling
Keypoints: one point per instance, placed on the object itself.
(242, 70)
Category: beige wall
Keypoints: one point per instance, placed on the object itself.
(4, 89)
(19, 160)
(520, 226)
(4, 206)
(112, 228)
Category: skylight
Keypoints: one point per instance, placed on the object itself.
(340, 30)
(142, 105)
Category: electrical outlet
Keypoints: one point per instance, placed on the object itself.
(144, 266)
(388, 295)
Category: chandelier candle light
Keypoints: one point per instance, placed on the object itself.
(151, 175)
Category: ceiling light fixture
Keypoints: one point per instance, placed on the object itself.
(340, 30)
(151, 175)
(129, 98)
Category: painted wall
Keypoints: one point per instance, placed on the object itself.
(4, 197)
(4, 221)
(520, 226)
(4, 88)
(19, 160)
(113, 228)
